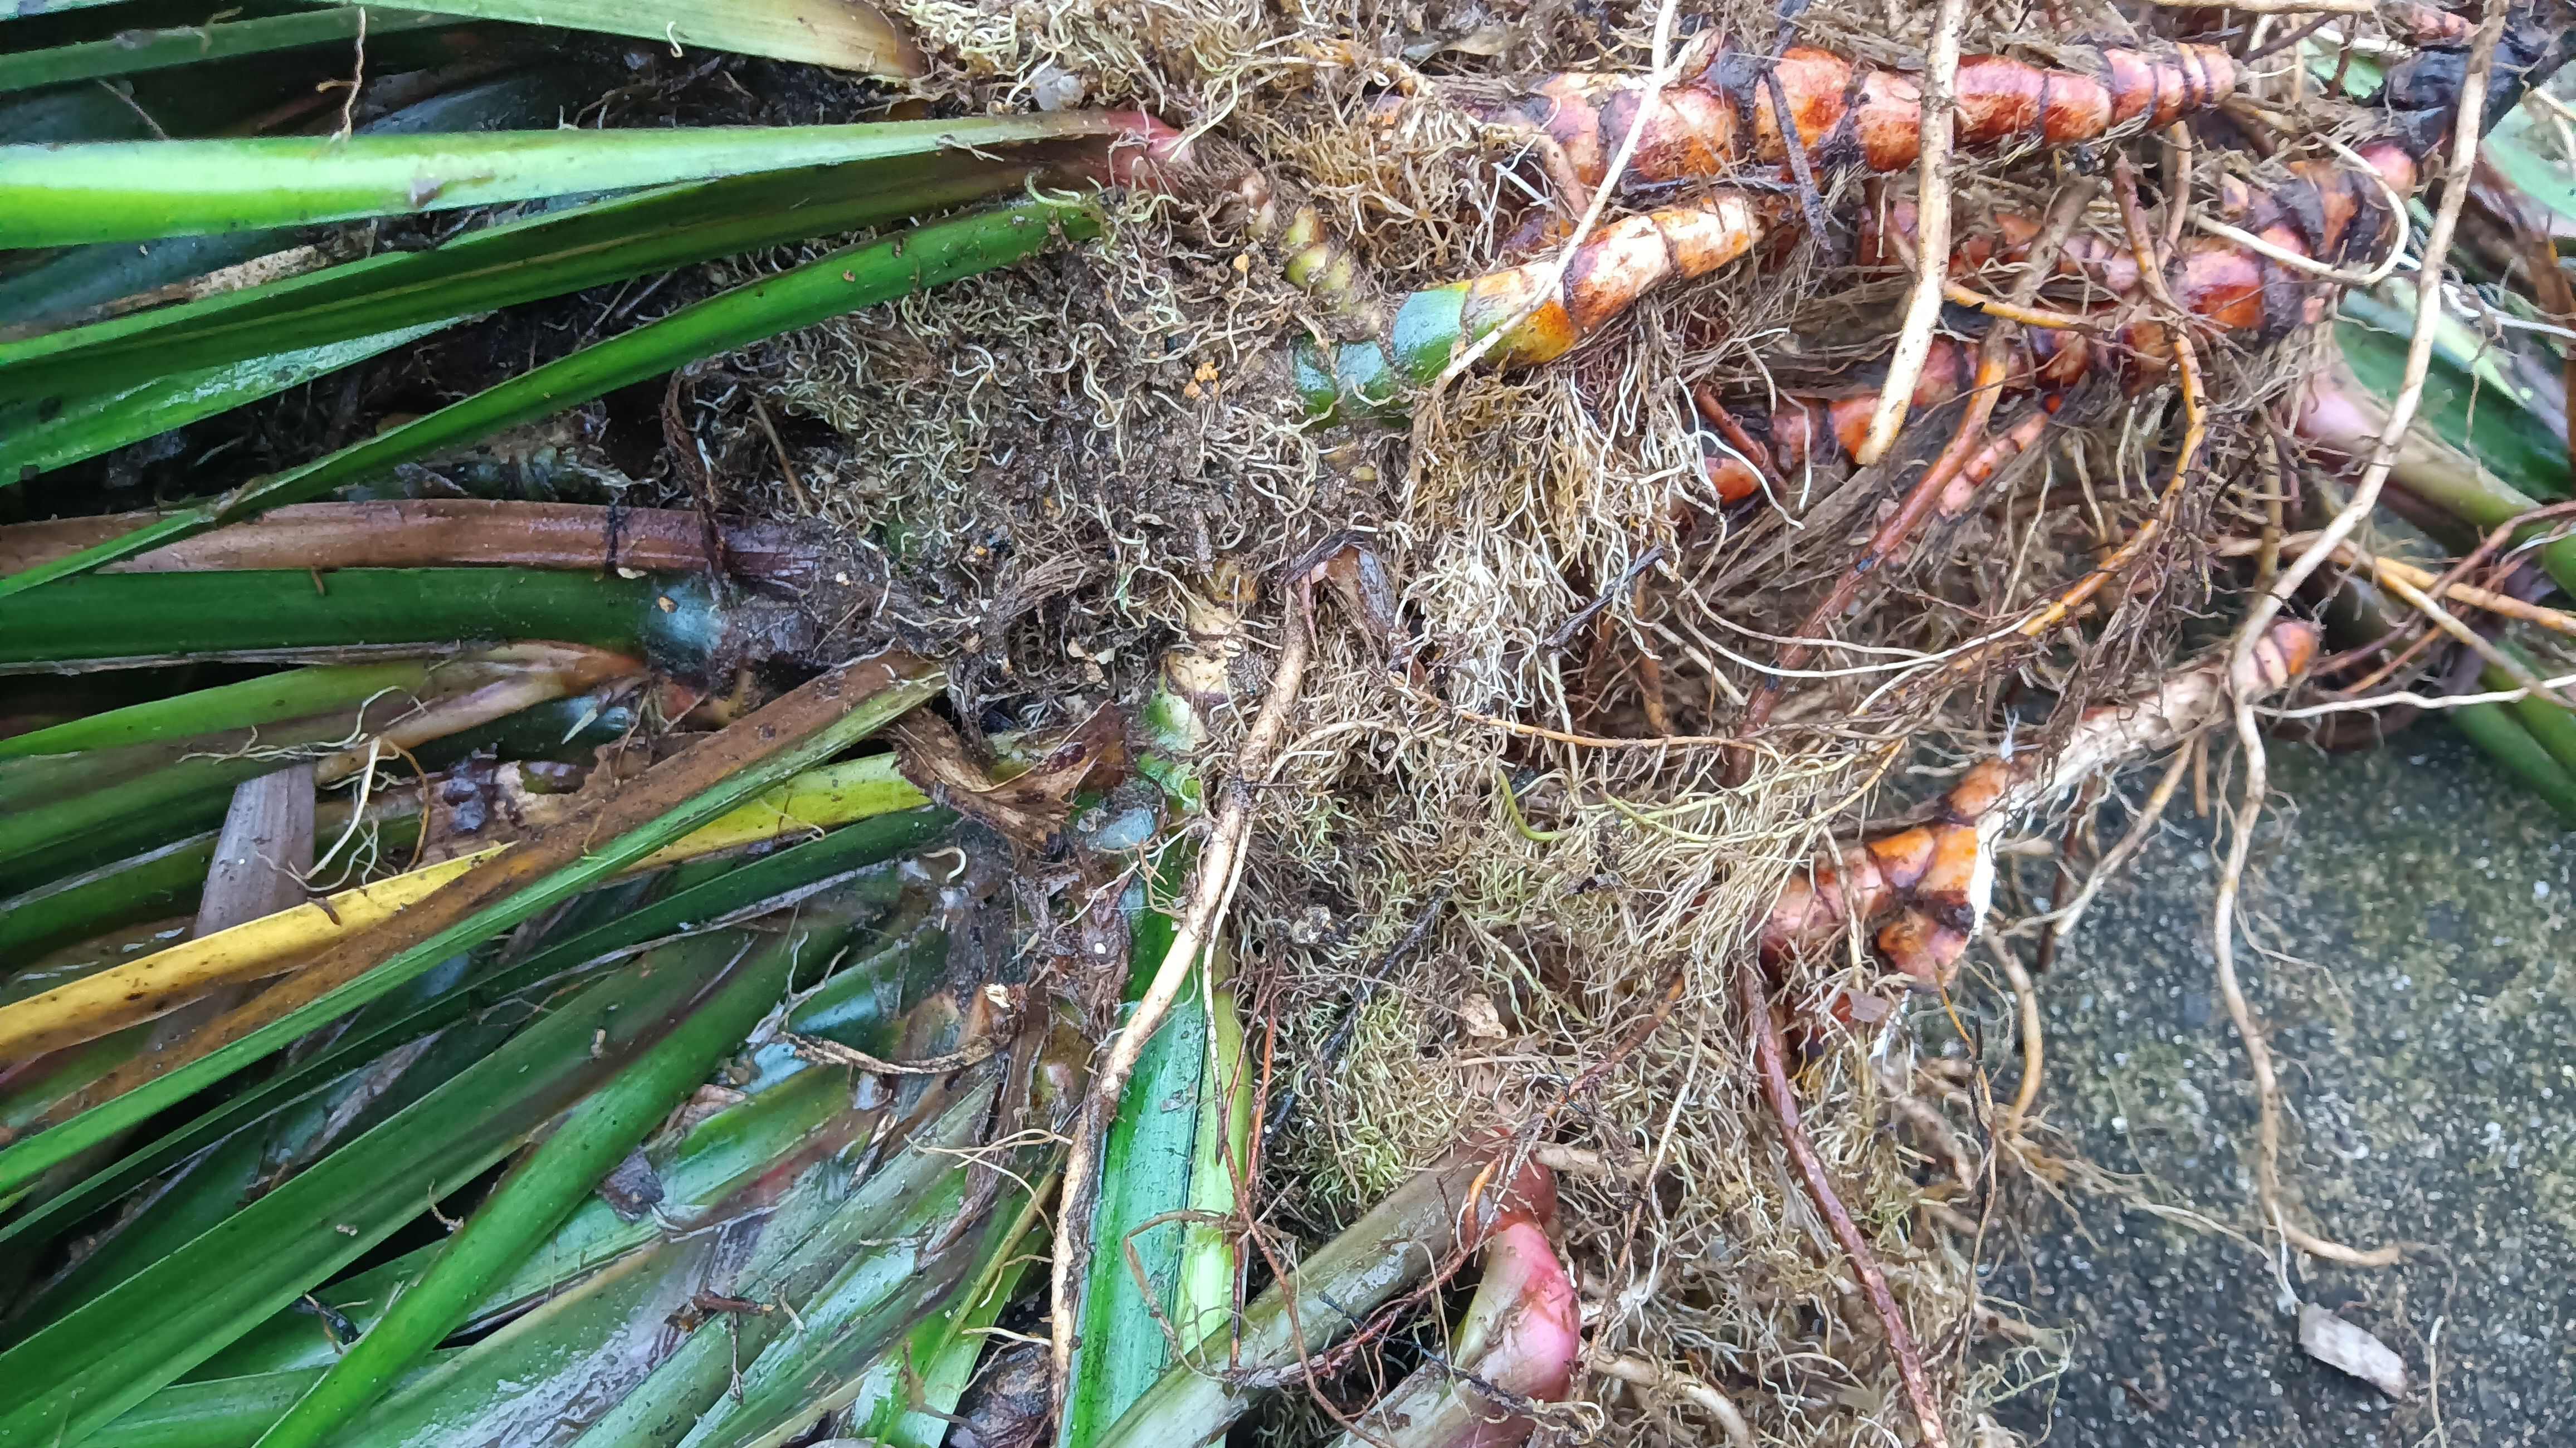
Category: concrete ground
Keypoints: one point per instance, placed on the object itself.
(2422, 1010)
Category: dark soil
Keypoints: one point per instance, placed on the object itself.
(2423, 1048)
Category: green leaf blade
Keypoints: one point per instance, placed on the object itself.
(135, 51)
(608, 1124)
(82, 1371)
(836, 855)
(101, 617)
(829, 286)
(37, 437)
(1161, 1159)
(842, 34)
(21, 1162)
(129, 191)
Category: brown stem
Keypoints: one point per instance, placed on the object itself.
(431, 533)
(1929, 881)
(1893, 534)
(1771, 1064)
(2324, 209)
(2557, 298)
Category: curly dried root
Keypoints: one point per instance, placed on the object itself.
(1926, 886)
(1717, 117)
(1543, 307)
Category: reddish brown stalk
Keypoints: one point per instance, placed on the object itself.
(1807, 428)
(432, 533)
(1618, 263)
(2325, 212)
(1771, 1064)
(2195, 432)
(1851, 115)
(1990, 460)
(1898, 528)
(1757, 471)
(1845, 115)
(1925, 885)
(1940, 482)
(1523, 315)
(1928, 876)
(2556, 296)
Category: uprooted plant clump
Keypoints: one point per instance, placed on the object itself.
(1507, 869)
(1514, 581)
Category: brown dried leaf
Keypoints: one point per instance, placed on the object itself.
(2341, 1345)
(1031, 807)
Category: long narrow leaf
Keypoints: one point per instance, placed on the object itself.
(826, 287)
(219, 1412)
(211, 1186)
(569, 1354)
(2528, 164)
(720, 1170)
(858, 1266)
(154, 885)
(866, 1338)
(77, 1374)
(60, 811)
(719, 1158)
(24, 8)
(157, 884)
(835, 856)
(854, 1351)
(603, 859)
(1335, 1288)
(541, 256)
(80, 113)
(2462, 410)
(1155, 1174)
(909, 1399)
(113, 191)
(68, 427)
(108, 618)
(65, 285)
(131, 51)
(844, 34)
(71, 282)
(291, 694)
(537, 1196)
(173, 1216)
(277, 943)
(2495, 729)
